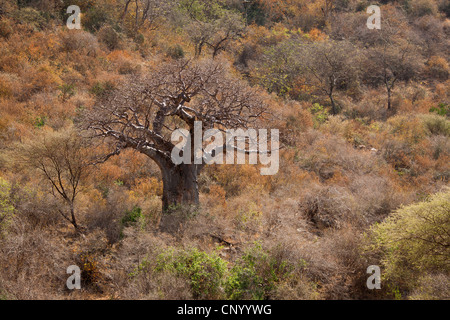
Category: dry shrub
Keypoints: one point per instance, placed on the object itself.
(408, 128)
(432, 287)
(349, 280)
(335, 264)
(294, 119)
(249, 218)
(398, 154)
(133, 276)
(375, 195)
(46, 105)
(234, 179)
(124, 61)
(30, 18)
(414, 92)
(371, 106)
(200, 231)
(32, 265)
(38, 78)
(336, 125)
(443, 90)
(330, 206)
(36, 207)
(440, 147)
(130, 168)
(9, 85)
(145, 187)
(107, 212)
(12, 56)
(105, 218)
(157, 286)
(89, 255)
(438, 68)
(281, 221)
(215, 200)
(271, 271)
(109, 37)
(436, 124)
(326, 155)
(81, 41)
(175, 220)
(419, 8)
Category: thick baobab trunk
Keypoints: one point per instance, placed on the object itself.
(180, 186)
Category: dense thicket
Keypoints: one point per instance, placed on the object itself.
(364, 125)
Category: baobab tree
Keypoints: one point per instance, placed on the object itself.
(144, 111)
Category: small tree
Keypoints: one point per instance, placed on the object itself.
(278, 68)
(391, 56)
(211, 25)
(387, 65)
(62, 160)
(328, 66)
(218, 34)
(143, 112)
(145, 12)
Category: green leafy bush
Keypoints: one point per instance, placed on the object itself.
(414, 242)
(320, 114)
(204, 271)
(132, 216)
(40, 121)
(256, 274)
(101, 88)
(442, 109)
(175, 52)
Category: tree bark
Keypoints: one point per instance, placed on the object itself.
(333, 105)
(180, 186)
(125, 10)
(389, 99)
(72, 214)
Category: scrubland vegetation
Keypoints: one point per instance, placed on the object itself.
(364, 165)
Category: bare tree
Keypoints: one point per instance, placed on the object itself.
(392, 56)
(63, 162)
(389, 65)
(143, 113)
(327, 66)
(215, 34)
(146, 12)
(327, 10)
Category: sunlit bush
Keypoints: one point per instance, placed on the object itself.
(258, 273)
(414, 242)
(204, 271)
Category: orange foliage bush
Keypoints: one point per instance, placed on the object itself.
(437, 67)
